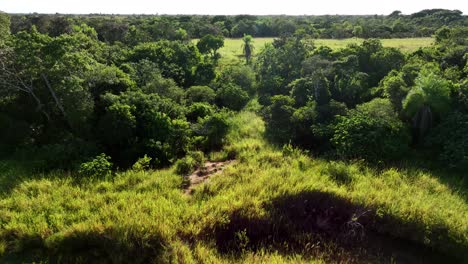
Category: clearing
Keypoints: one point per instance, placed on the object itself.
(232, 50)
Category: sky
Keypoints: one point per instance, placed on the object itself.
(231, 7)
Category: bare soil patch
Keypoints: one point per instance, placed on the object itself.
(204, 173)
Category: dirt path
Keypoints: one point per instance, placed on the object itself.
(205, 173)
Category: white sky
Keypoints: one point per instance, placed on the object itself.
(230, 7)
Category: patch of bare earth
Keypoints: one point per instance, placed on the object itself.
(204, 173)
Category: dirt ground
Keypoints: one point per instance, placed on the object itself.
(204, 173)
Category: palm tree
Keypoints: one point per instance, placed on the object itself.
(247, 48)
(428, 99)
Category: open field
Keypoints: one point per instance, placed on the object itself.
(304, 209)
(232, 49)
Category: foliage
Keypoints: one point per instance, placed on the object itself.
(277, 116)
(200, 94)
(449, 138)
(395, 90)
(210, 44)
(146, 92)
(372, 131)
(427, 102)
(189, 163)
(199, 110)
(231, 96)
(4, 27)
(99, 167)
(213, 129)
(247, 48)
(241, 75)
(142, 163)
(173, 58)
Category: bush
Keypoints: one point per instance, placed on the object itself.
(142, 163)
(65, 155)
(98, 167)
(450, 142)
(200, 94)
(185, 165)
(198, 110)
(189, 163)
(277, 117)
(241, 75)
(372, 131)
(232, 97)
(214, 130)
(198, 157)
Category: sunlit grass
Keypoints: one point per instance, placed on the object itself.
(146, 217)
(231, 53)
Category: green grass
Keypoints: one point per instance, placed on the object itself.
(263, 209)
(231, 53)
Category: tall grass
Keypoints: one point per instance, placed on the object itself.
(268, 207)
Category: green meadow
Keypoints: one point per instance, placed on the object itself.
(232, 50)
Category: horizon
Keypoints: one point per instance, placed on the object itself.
(210, 7)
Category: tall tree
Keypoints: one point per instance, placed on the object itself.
(247, 48)
(211, 44)
(4, 27)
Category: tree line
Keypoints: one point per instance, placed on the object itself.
(65, 99)
(146, 28)
(368, 101)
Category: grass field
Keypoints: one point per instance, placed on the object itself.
(270, 206)
(232, 50)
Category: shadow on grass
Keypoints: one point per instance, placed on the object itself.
(110, 246)
(319, 224)
(13, 173)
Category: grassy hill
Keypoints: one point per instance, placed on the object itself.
(270, 205)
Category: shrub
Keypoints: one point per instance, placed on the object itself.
(98, 167)
(142, 163)
(241, 75)
(232, 97)
(200, 94)
(450, 142)
(198, 110)
(277, 117)
(189, 163)
(65, 155)
(372, 131)
(198, 157)
(185, 165)
(214, 130)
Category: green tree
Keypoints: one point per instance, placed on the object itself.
(278, 118)
(450, 141)
(428, 101)
(213, 129)
(395, 89)
(175, 59)
(200, 94)
(231, 96)
(210, 44)
(49, 73)
(247, 48)
(373, 131)
(241, 75)
(357, 31)
(4, 27)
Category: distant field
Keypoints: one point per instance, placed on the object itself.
(232, 49)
